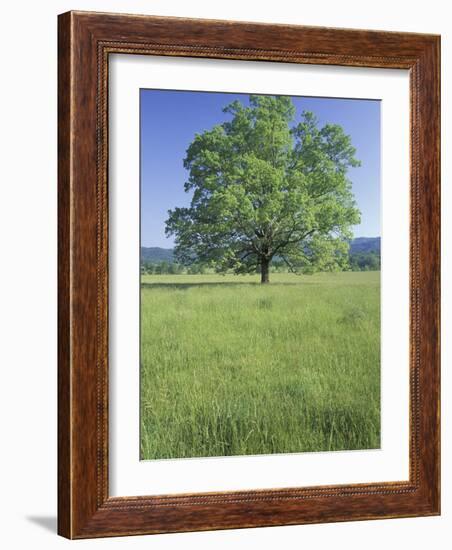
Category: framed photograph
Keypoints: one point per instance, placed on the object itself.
(248, 275)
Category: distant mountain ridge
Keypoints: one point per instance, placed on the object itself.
(365, 244)
(156, 254)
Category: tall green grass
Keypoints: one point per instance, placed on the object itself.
(232, 367)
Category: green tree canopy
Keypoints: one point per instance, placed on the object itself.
(264, 187)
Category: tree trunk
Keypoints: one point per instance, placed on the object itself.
(265, 270)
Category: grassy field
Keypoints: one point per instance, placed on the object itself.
(232, 367)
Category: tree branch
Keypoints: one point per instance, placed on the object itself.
(291, 267)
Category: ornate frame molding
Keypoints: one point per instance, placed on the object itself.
(85, 42)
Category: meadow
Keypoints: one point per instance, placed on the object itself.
(233, 367)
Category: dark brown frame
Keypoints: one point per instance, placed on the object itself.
(84, 44)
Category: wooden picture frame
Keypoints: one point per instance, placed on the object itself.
(85, 42)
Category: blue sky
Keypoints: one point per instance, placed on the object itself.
(170, 119)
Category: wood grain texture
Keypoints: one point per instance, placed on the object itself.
(85, 42)
(64, 295)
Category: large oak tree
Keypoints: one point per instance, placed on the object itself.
(264, 186)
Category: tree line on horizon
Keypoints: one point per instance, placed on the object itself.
(358, 261)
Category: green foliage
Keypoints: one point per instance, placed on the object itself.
(358, 261)
(229, 367)
(169, 268)
(365, 261)
(264, 187)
